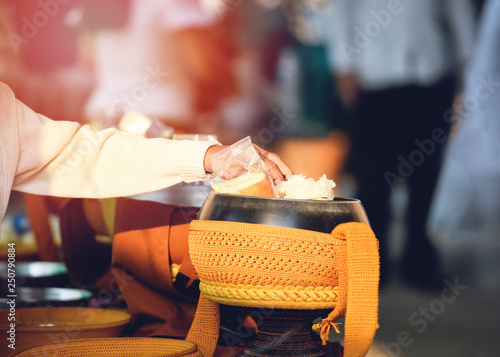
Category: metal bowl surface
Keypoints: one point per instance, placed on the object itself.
(40, 297)
(35, 269)
(34, 274)
(317, 215)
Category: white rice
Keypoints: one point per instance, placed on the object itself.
(298, 186)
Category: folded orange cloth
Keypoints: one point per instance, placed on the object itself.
(149, 237)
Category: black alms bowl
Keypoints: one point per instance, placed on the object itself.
(322, 216)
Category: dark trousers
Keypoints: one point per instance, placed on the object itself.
(398, 136)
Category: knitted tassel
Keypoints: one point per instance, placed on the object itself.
(324, 327)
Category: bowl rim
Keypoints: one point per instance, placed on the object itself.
(123, 320)
(58, 269)
(336, 199)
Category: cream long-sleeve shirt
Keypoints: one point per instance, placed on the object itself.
(57, 158)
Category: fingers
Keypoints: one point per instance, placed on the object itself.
(277, 168)
(282, 166)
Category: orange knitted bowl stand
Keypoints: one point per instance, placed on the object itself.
(255, 265)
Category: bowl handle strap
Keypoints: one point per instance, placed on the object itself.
(204, 331)
(358, 268)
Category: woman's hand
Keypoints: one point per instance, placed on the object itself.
(276, 167)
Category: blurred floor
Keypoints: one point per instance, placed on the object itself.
(461, 320)
(417, 324)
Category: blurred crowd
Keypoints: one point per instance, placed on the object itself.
(364, 91)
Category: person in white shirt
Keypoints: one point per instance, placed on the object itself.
(64, 159)
(396, 63)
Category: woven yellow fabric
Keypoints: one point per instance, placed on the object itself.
(204, 330)
(38, 325)
(289, 297)
(257, 265)
(358, 268)
(115, 347)
(261, 256)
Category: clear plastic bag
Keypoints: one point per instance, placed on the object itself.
(239, 169)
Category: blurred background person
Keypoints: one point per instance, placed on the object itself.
(396, 65)
(258, 31)
(464, 217)
(287, 100)
(312, 136)
(167, 62)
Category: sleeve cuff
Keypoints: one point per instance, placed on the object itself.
(189, 159)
